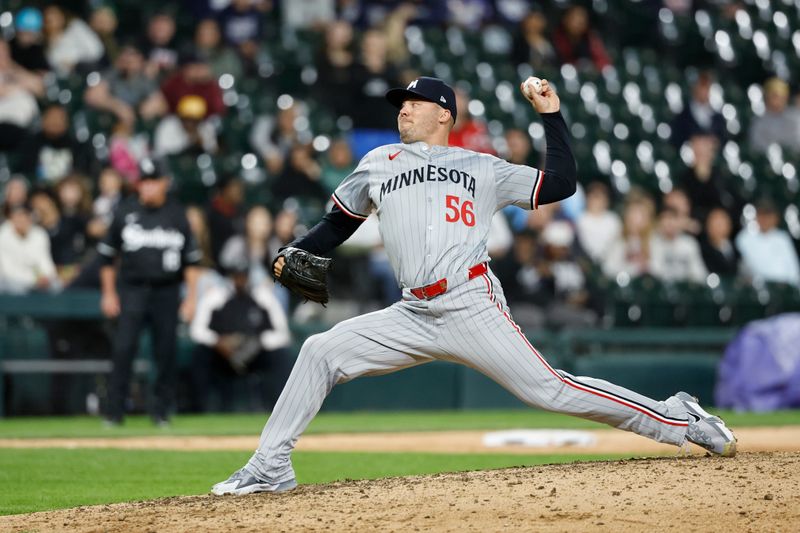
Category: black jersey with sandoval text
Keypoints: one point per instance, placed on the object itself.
(153, 243)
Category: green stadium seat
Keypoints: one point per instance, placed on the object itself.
(235, 132)
(188, 179)
(784, 298)
(747, 305)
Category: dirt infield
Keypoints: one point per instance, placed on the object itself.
(754, 439)
(752, 492)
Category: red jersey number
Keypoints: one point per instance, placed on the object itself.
(454, 213)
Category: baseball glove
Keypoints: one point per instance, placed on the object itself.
(304, 274)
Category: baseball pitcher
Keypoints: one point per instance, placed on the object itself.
(434, 204)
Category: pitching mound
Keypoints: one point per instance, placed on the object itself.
(752, 492)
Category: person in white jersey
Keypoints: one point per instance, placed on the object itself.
(434, 205)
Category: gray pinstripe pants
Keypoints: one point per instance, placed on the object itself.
(470, 325)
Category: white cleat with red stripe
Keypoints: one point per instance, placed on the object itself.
(706, 430)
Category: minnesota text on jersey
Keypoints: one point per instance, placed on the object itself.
(428, 173)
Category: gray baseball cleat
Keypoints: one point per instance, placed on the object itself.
(243, 482)
(706, 430)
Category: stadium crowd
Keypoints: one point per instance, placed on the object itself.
(88, 89)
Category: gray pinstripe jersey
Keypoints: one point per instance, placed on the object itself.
(434, 204)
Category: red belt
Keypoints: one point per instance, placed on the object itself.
(440, 287)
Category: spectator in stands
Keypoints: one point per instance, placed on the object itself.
(15, 194)
(469, 14)
(704, 182)
(159, 45)
(372, 76)
(194, 78)
(255, 241)
(285, 230)
(767, 251)
(187, 132)
(576, 43)
(126, 149)
(199, 227)
(239, 329)
(12, 75)
(53, 152)
(242, 28)
(372, 14)
(27, 46)
(300, 177)
(531, 44)
(257, 235)
(513, 11)
(224, 215)
(273, 137)
(468, 132)
(210, 48)
(311, 14)
(630, 253)
(110, 191)
(394, 28)
(334, 63)
(126, 90)
(563, 271)
(18, 107)
(74, 201)
(779, 124)
(70, 42)
(25, 263)
(674, 255)
(679, 201)
(698, 117)
(67, 240)
(519, 149)
(598, 227)
(337, 164)
(523, 283)
(208, 276)
(103, 21)
(719, 254)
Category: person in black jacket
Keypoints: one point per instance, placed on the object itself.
(719, 254)
(150, 236)
(698, 117)
(239, 330)
(54, 152)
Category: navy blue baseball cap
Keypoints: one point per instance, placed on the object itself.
(430, 89)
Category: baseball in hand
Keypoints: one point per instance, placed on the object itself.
(532, 85)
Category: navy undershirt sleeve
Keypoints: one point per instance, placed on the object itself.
(334, 228)
(560, 171)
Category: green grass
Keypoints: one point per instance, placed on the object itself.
(251, 424)
(43, 479)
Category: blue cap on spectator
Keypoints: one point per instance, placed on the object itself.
(430, 89)
(29, 19)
